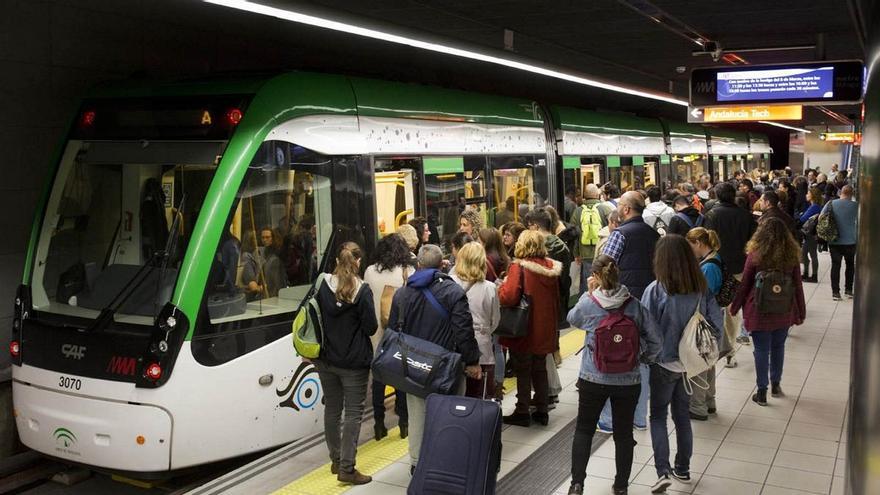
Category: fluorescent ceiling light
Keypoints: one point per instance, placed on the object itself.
(777, 124)
(312, 20)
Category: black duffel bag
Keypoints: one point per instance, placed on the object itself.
(417, 366)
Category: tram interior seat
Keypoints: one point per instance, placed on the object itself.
(145, 300)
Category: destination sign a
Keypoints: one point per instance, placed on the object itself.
(810, 83)
(750, 113)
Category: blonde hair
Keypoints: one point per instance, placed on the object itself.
(530, 244)
(347, 270)
(704, 236)
(474, 218)
(470, 263)
(408, 232)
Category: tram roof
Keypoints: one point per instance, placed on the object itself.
(372, 97)
(575, 119)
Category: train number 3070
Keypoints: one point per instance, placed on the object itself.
(69, 383)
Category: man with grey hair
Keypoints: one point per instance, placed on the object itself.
(431, 306)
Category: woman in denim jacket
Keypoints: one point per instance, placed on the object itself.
(594, 386)
(671, 300)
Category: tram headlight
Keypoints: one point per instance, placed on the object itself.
(154, 371)
(171, 322)
(14, 348)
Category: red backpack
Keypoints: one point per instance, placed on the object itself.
(617, 341)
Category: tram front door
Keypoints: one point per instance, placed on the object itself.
(398, 192)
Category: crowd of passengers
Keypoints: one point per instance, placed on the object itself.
(654, 256)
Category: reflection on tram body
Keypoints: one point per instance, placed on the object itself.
(688, 168)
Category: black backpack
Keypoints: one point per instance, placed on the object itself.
(774, 292)
(729, 283)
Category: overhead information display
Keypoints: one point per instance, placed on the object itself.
(776, 84)
(811, 83)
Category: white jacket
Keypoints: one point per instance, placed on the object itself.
(377, 280)
(486, 312)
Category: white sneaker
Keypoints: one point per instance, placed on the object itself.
(731, 362)
(661, 484)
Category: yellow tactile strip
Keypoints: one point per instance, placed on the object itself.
(373, 457)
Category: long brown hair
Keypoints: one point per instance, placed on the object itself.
(347, 270)
(676, 268)
(491, 240)
(773, 246)
(605, 269)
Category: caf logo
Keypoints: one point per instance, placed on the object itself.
(618, 338)
(777, 289)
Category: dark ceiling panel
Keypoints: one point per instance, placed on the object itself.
(608, 39)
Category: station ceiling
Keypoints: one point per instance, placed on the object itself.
(634, 42)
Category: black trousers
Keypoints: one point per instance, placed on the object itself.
(379, 404)
(848, 254)
(591, 400)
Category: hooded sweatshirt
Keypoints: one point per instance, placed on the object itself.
(587, 315)
(413, 314)
(347, 326)
(657, 210)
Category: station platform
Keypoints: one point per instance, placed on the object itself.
(795, 445)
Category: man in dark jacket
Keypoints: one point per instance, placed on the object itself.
(686, 216)
(631, 245)
(771, 209)
(450, 326)
(538, 219)
(734, 226)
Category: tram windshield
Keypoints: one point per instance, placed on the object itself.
(108, 221)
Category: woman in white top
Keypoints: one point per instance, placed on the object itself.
(470, 274)
(389, 273)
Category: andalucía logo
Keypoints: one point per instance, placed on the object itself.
(64, 437)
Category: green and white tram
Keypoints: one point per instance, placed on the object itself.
(184, 223)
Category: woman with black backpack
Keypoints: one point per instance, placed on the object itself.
(772, 299)
(807, 222)
(619, 331)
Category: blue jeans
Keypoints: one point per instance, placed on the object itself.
(667, 392)
(641, 417)
(769, 355)
(586, 266)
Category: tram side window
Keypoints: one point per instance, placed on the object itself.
(517, 188)
(269, 251)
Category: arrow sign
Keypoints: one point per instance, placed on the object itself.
(695, 115)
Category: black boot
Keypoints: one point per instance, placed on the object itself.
(380, 431)
(541, 418)
(404, 431)
(760, 397)
(518, 419)
(776, 390)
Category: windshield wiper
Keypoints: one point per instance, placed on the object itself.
(107, 313)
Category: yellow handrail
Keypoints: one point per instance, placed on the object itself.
(400, 215)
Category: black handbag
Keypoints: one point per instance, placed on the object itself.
(515, 319)
(417, 366)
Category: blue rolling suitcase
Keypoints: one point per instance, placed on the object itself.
(461, 447)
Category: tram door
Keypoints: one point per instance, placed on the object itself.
(579, 172)
(650, 174)
(398, 192)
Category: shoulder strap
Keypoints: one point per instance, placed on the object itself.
(434, 302)
(686, 219)
(700, 220)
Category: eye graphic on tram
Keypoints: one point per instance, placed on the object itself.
(304, 389)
